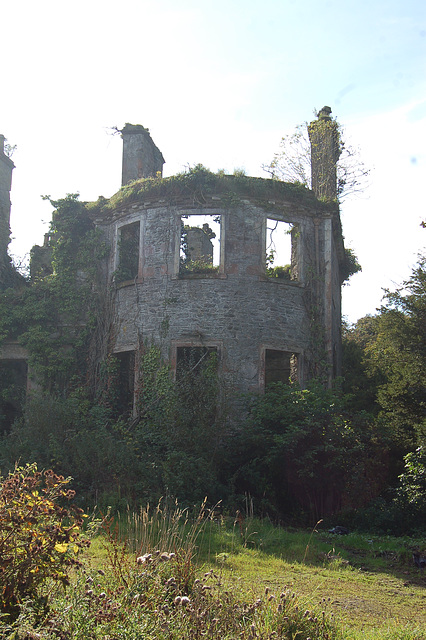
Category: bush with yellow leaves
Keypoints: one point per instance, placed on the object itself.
(40, 535)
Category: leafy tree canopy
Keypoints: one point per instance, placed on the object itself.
(389, 351)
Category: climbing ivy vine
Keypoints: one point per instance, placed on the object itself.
(53, 316)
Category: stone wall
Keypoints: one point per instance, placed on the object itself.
(238, 309)
(6, 168)
(141, 157)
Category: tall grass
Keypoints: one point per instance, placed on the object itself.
(166, 527)
(152, 583)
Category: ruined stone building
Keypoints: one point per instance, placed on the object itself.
(6, 168)
(247, 268)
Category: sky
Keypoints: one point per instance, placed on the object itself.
(220, 83)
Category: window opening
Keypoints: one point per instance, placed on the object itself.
(197, 386)
(280, 249)
(125, 382)
(280, 366)
(128, 252)
(13, 386)
(195, 361)
(199, 244)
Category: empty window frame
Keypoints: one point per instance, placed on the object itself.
(200, 244)
(197, 385)
(13, 385)
(281, 249)
(280, 366)
(128, 248)
(125, 382)
(195, 360)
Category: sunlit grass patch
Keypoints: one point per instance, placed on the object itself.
(162, 575)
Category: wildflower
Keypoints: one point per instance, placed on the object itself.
(145, 559)
(184, 600)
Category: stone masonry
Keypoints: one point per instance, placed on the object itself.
(264, 325)
(6, 168)
(252, 320)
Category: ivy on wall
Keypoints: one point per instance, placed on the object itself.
(53, 316)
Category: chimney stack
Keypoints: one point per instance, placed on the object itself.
(6, 168)
(325, 152)
(141, 158)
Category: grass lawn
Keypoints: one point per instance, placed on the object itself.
(225, 580)
(368, 583)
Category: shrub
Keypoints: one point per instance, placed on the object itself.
(39, 536)
(302, 450)
(400, 511)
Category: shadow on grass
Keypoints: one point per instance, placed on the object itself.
(223, 538)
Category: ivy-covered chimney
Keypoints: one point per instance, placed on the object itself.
(325, 152)
(6, 168)
(141, 157)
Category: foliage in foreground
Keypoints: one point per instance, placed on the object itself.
(141, 579)
(39, 535)
(159, 596)
(152, 605)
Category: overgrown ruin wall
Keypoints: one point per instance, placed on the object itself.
(237, 308)
(6, 167)
(170, 289)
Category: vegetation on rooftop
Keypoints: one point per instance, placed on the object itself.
(198, 184)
